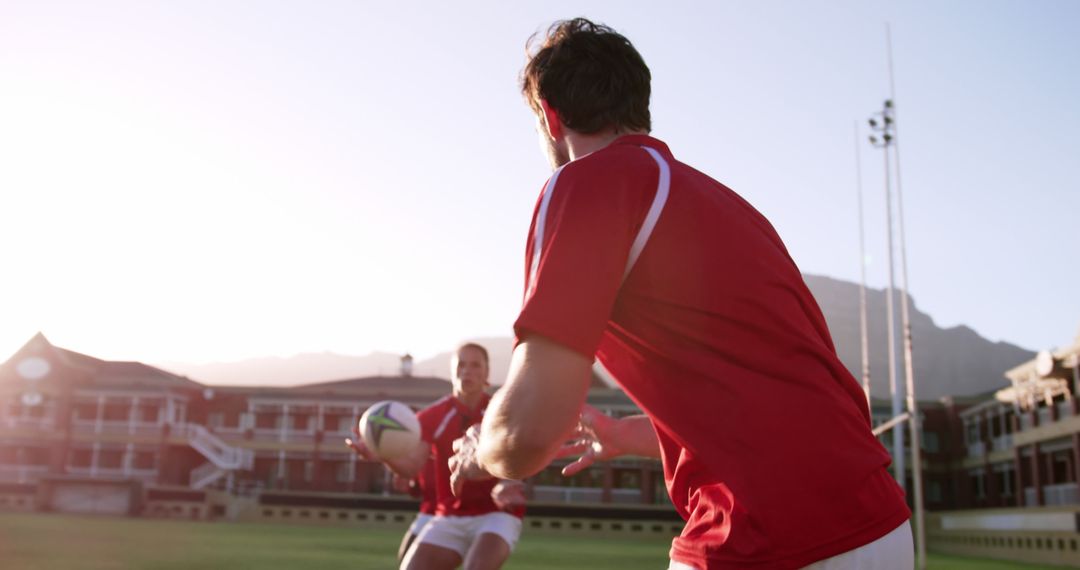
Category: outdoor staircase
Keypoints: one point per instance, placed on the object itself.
(222, 458)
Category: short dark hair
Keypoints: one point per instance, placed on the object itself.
(483, 351)
(591, 75)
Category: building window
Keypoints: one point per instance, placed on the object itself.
(215, 419)
(86, 412)
(110, 459)
(116, 412)
(978, 484)
(1061, 466)
(1004, 482)
(930, 442)
(80, 458)
(309, 471)
(972, 432)
(343, 472)
(147, 414)
(346, 423)
(26, 456)
(627, 479)
(933, 492)
(146, 460)
(36, 412)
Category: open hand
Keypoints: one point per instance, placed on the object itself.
(464, 465)
(508, 494)
(595, 440)
(356, 443)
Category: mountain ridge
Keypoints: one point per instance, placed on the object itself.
(950, 361)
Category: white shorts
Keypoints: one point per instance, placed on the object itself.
(419, 523)
(458, 533)
(894, 550)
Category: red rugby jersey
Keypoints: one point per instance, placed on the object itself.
(765, 436)
(424, 483)
(440, 424)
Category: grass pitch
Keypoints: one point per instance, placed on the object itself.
(61, 542)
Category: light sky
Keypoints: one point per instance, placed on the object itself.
(218, 180)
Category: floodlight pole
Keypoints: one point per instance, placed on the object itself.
(886, 129)
(862, 283)
(912, 404)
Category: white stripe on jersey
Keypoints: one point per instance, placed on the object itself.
(538, 233)
(446, 420)
(659, 200)
(648, 224)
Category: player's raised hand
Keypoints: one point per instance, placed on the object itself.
(508, 494)
(356, 443)
(464, 465)
(596, 440)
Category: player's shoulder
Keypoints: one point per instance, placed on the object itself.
(437, 407)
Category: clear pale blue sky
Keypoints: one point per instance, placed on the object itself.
(199, 181)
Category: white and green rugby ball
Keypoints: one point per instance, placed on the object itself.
(390, 429)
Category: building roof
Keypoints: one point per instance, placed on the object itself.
(69, 367)
(416, 389)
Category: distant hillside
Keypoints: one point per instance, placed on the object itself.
(955, 361)
(325, 366)
(299, 369)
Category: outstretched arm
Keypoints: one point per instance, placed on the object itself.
(535, 411)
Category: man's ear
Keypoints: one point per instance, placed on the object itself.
(551, 120)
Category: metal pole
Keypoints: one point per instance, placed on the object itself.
(913, 411)
(898, 435)
(862, 282)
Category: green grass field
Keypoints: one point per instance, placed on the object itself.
(59, 542)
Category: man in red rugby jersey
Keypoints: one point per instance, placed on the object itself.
(687, 296)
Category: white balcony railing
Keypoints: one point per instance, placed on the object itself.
(1002, 443)
(1044, 416)
(552, 494)
(146, 475)
(977, 449)
(29, 423)
(1053, 495)
(22, 473)
(1064, 409)
(1063, 494)
(118, 427)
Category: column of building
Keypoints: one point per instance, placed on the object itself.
(316, 459)
(990, 485)
(164, 423)
(282, 438)
(352, 456)
(64, 411)
(129, 449)
(99, 422)
(1018, 460)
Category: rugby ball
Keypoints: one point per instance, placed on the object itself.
(390, 429)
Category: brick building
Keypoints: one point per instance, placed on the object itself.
(63, 413)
